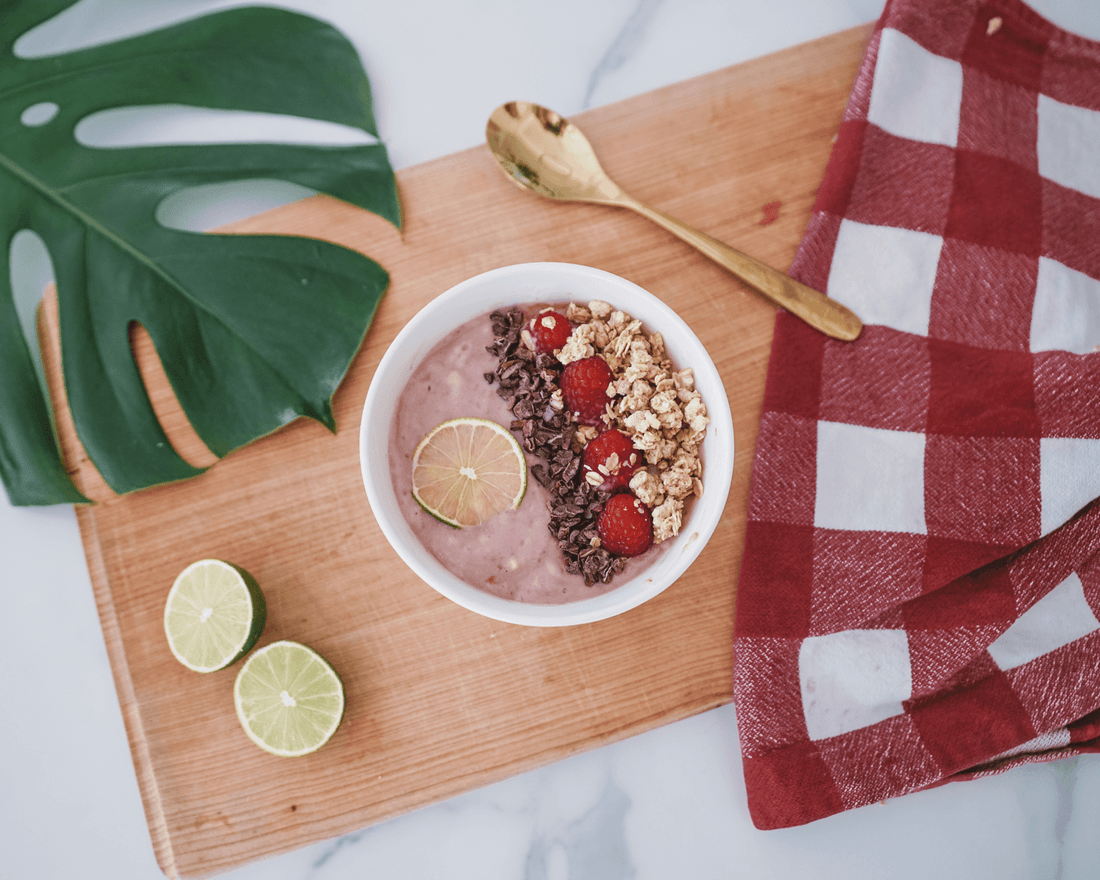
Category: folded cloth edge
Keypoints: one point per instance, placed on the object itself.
(807, 267)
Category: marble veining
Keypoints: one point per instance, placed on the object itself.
(624, 46)
(1065, 775)
(593, 845)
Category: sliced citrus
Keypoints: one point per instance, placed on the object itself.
(214, 614)
(289, 700)
(466, 471)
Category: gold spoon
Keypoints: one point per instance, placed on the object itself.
(542, 152)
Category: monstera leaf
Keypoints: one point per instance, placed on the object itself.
(252, 331)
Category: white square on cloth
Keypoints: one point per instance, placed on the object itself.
(1062, 616)
(869, 479)
(1069, 478)
(1066, 313)
(915, 94)
(1054, 739)
(1069, 145)
(853, 679)
(885, 274)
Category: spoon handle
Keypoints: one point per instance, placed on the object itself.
(816, 309)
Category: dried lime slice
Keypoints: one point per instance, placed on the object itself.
(466, 471)
(214, 614)
(289, 700)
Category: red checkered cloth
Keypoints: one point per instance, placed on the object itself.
(919, 597)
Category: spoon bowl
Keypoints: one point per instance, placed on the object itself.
(541, 151)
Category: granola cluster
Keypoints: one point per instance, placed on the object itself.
(528, 381)
(656, 406)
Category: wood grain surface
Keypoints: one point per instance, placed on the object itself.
(441, 700)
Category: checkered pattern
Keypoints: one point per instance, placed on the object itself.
(919, 597)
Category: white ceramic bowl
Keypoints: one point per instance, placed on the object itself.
(544, 282)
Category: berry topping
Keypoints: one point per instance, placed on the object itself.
(610, 461)
(584, 388)
(549, 330)
(625, 526)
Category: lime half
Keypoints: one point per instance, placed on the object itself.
(466, 471)
(214, 614)
(289, 700)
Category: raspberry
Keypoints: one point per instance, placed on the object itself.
(584, 388)
(550, 331)
(625, 526)
(612, 458)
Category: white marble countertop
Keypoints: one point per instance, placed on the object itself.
(668, 803)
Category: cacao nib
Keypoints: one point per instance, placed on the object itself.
(528, 381)
(523, 409)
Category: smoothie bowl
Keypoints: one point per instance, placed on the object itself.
(485, 365)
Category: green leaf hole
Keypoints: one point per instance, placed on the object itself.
(37, 115)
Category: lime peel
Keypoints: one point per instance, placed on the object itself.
(289, 700)
(214, 614)
(467, 470)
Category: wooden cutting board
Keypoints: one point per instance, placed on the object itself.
(441, 700)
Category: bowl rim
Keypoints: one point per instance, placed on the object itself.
(377, 417)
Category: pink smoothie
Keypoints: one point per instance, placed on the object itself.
(513, 555)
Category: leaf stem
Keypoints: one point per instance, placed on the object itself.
(58, 199)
